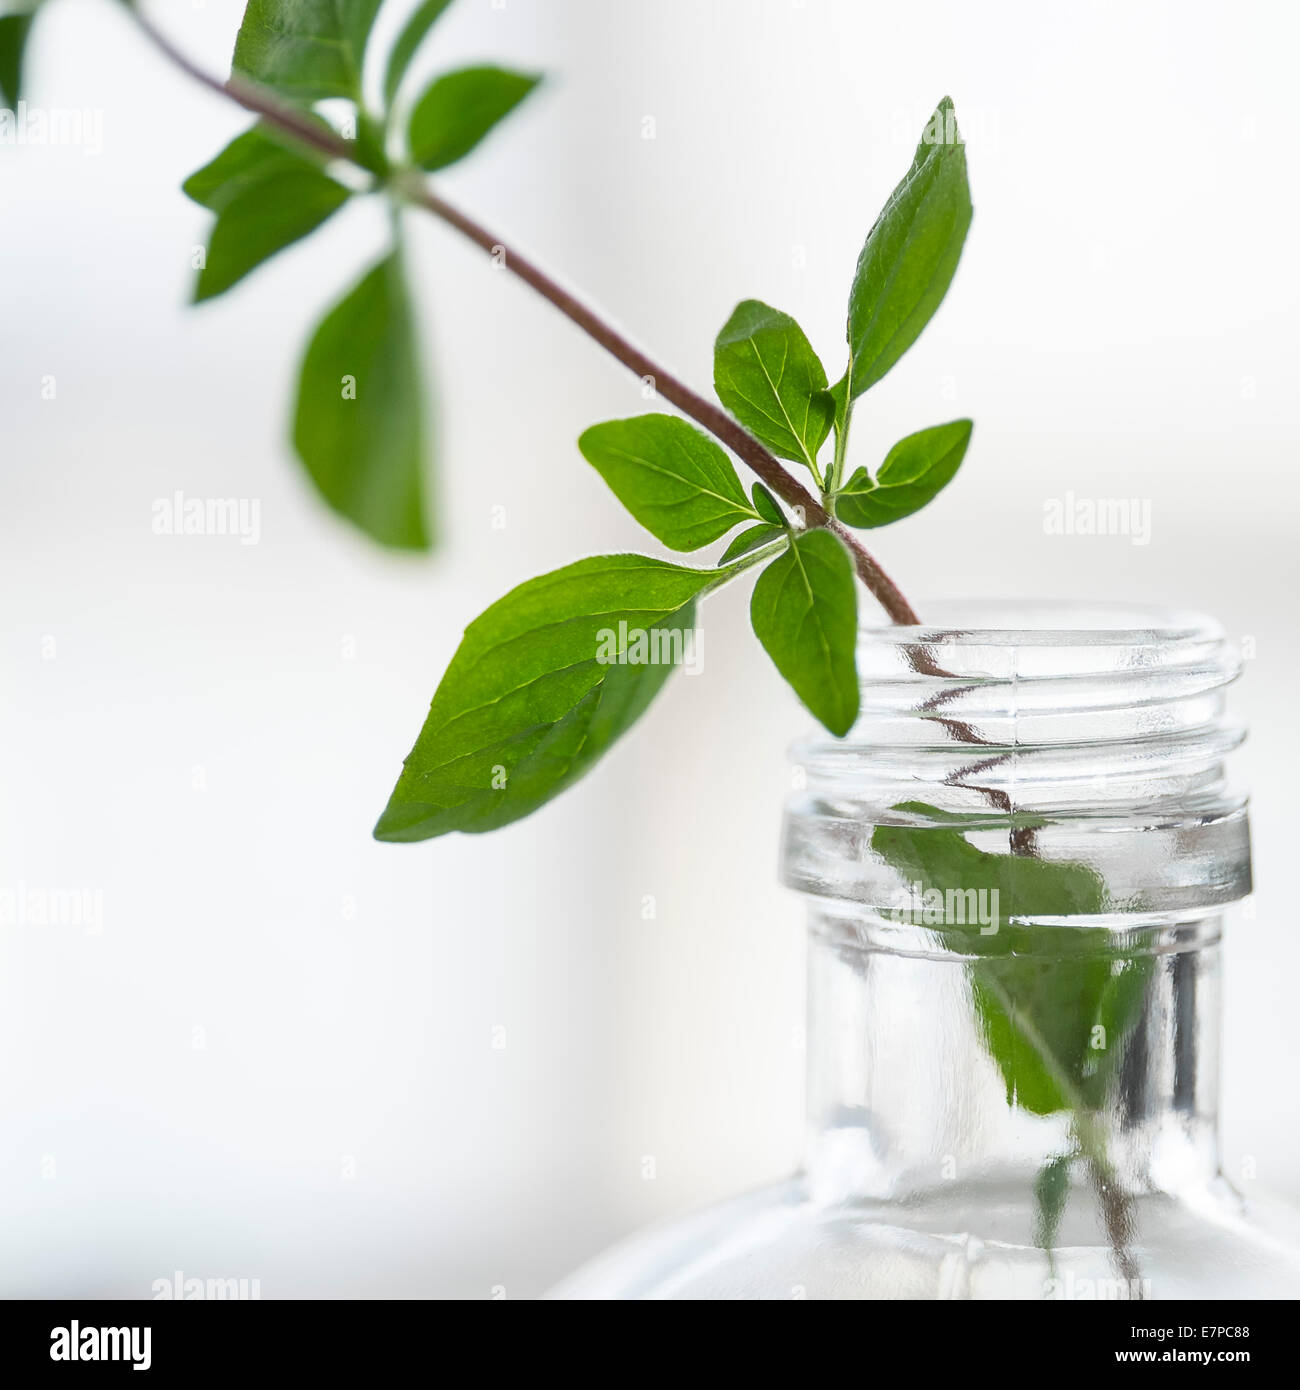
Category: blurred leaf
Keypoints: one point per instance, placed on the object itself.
(805, 612)
(306, 50)
(266, 196)
(1051, 1192)
(751, 539)
(1055, 1004)
(911, 253)
(369, 147)
(767, 375)
(915, 470)
(407, 42)
(14, 29)
(1041, 1015)
(359, 422)
(458, 110)
(540, 687)
(677, 483)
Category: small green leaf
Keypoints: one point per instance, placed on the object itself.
(459, 109)
(915, 470)
(306, 50)
(540, 687)
(911, 253)
(406, 43)
(369, 145)
(767, 375)
(805, 612)
(14, 29)
(266, 196)
(766, 505)
(751, 539)
(359, 422)
(677, 483)
(1051, 1192)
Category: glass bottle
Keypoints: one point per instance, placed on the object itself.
(1017, 868)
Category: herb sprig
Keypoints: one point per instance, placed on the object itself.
(359, 418)
(537, 690)
(361, 434)
(684, 489)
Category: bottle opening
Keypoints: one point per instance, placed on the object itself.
(1007, 744)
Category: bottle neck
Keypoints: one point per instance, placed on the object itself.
(929, 1065)
(1017, 862)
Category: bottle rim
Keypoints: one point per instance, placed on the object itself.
(1045, 622)
(1100, 730)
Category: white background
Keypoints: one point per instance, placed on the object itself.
(276, 1060)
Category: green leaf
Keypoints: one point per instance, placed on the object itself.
(1051, 1193)
(767, 375)
(766, 506)
(911, 253)
(751, 539)
(306, 50)
(540, 687)
(406, 43)
(1055, 1004)
(805, 612)
(266, 196)
(359, 422)
(14, 29)
(677, 483)
(458, 110)
(1040, 1016)
(369, 145)
(1027, 886)
(914, 472)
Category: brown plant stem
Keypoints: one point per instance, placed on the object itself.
(1117, 1212)
(713, 418)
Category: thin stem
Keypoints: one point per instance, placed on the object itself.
(835, 478)
(248, 95)
(1115, 1203)
(417, 191)
(713, 418)
(738, 566)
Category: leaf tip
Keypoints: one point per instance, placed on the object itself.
(842, 721)
(587, 441)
